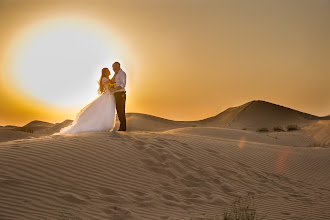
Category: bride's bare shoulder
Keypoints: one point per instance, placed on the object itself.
(105, 80)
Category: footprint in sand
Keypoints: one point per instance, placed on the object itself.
(106, 191)
(73, 198)
(170, 197)
(140, 145)
(111, 196)
(141, 199)
(159, 168)
(118, 213)
(181, 143)
(163, 141)
(114, 199)
(189, 180)
(170, 200)
(157, 146)
(165, 187)
(212, 152)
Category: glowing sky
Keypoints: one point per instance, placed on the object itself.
(185, 59)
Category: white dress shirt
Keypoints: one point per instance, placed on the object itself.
(120, 80)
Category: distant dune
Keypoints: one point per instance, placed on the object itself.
(9, 135)
(144, 122)
(35, 126)
(251, 116)
(55, 128)
(10, 126)
(275, 138)
(258, 114)
(320, 132)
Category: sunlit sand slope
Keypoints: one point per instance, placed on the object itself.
(138, 175)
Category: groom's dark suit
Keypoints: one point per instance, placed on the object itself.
(120, 97)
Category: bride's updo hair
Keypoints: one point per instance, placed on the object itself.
(104, 74)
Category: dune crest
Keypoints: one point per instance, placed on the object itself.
(250, 116)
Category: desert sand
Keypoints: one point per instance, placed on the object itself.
(163, 169)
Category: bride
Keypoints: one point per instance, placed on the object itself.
(99, 115)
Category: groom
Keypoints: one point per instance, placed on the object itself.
(120, 94)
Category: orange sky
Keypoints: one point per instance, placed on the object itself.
(185, 59)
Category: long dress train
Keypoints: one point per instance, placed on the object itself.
(97, 116)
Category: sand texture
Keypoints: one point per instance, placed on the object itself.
(162, 169)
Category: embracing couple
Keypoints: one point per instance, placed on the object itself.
(99, 115)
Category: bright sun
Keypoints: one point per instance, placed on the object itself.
(59, 61)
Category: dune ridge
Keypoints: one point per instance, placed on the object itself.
(258, 113)
(250, 116)
(35, 126)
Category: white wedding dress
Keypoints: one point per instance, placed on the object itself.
(97, 116)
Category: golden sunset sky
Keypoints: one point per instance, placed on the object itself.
(184, 59)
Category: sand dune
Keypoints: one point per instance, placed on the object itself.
(326, 117)
(9, 135)
(34, 126)
(55, 128)
(250, 116)
(258, 114)
(10, 126)
(320, 132)
(296, 139)
(163, 169)
(179, 174)
(143, 122)
(28, 131)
